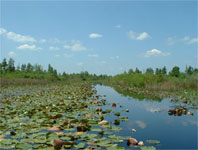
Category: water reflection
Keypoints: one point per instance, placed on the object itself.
(136, 94)
(154, 120)
(155, 107)
(141, 124)
(132, 123)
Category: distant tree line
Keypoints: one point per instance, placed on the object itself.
(8, 69)
(175, 72)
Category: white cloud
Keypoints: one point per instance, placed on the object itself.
(155, 52)
(114, 57)
(93, 55)
(95, 35)
(11, 53)
(193, 40)
(2, 31)
(52, 48)
(76, 46)
(80, 64)
(143, 36)
(134, 36)
(20, 38)
(118, 26)
(29, 47)
(185, 40)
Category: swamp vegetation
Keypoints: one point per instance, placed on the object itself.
(41, 109)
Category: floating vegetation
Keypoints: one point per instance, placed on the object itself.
(147, 148)
(153, 141)
(178, 111)
(58, 117)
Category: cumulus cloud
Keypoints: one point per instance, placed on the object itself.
(29, 47)
(20, 38)
(93, 55)
(11, 53)
(52, 48)
(95, 35)
(2, 31)
(114, 57)
(155, 52)
(75, 46)
(185, 40)
(134, 36)
(143, 36)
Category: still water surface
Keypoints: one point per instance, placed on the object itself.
(152, 121)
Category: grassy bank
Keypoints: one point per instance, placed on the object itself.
(147, 86)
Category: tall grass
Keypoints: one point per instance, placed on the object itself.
(156, 82)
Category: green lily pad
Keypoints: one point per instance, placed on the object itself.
(147, 148)
(80, 145)
(24, 146)
(153, 141)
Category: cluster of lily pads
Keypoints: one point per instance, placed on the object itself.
(59, 117)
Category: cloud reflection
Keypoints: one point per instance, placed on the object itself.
(141, 124)
(190, 122)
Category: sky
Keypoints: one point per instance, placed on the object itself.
(102, 37)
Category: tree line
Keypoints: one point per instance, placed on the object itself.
(8, 69)
(37, 71)
(175, 71)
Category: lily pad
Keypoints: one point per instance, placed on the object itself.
(147, 148)
(153, 141)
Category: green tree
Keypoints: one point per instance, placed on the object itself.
(158, 71)
(137, 70)
(175, 71)
(55, 73)
(50, 69)
(38, 68)
(149, 71)
(29, 68)
(130, 71)
(4, 65)
(195, 70)
(1, 70)
(23, 67)
(189, 70)
(164, 70)
(11, 67)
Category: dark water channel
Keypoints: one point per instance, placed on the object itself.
(152, 120)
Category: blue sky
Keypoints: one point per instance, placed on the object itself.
(100, 37)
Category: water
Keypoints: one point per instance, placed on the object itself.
(152, 121)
